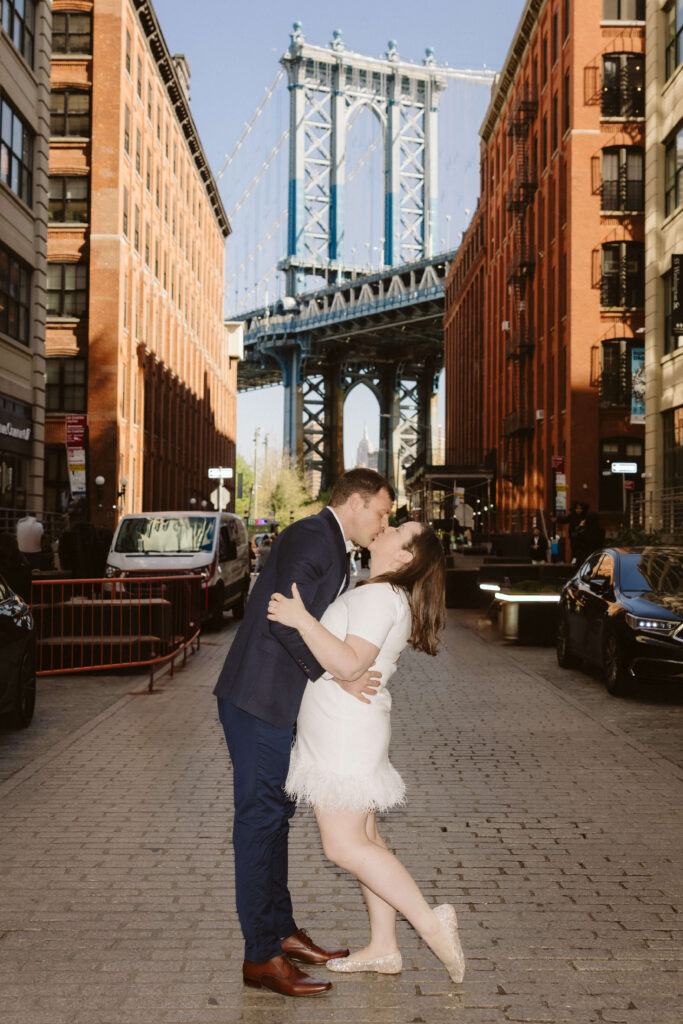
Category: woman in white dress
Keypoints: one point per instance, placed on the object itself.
(340, 761)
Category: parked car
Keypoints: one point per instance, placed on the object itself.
(623, 611)
(212, 544)
(17, 658)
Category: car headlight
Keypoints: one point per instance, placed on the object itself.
(663, 627)
(112, 571)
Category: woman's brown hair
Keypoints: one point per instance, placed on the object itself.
(424, 580)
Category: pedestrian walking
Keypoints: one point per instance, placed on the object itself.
(340, 762)
(263, 554)
(259, 692)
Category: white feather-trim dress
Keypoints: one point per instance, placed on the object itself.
(340, 758)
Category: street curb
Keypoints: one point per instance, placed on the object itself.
(659, 761)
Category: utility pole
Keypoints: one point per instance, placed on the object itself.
(256, 436)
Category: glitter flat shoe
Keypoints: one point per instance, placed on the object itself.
(455, 965)
(390, 964)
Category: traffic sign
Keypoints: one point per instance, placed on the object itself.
(220, 473)
(624, 467)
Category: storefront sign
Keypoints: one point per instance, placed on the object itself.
(638, 385)
(16, 427)
(677, 293)
(76, 427)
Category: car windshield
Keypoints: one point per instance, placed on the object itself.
(657, 569)
(166, 535)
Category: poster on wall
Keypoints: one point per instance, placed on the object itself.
(677, 294)
(76, 427)
(638, 385)
(560, 494)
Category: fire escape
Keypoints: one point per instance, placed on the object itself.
(518, 424)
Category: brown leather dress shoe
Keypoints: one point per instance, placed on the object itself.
(281, 975)
(300, 946)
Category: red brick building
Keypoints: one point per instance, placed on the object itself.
(136, 241)
(545, 299)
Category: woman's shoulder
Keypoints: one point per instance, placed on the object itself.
(382, 591)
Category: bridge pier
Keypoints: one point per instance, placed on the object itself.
(292, 428)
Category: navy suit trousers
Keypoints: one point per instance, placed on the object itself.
(260, 756)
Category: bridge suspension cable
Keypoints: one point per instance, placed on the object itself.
(248, 127)
(254, 182)
(247, 260)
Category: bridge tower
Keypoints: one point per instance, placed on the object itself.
(326, 86)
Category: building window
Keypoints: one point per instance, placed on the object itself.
(673, 172)
(623, 85)
(65, 389)
(623, 278)
(129, 50)
(147, 242)
(15, 294)
(615, 373)
(672, 424)
(544, 61)
(126, 130)
(57, 490)
(674, 36)
(671, 341)
(567, 103)
(622, 179)
(139, 85)
(149, 102)
(67, 289)
(71, 32)
(16, 152)
(138, 151)
(68, 199)
(623, 10)
(567, 17)
(148, 176)
(158, 122)
(556, 117)
(554, 49)
(136, 234)
(125, 211)
(19, 22)
(70, 113)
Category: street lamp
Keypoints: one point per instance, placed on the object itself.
(99, 484)
(122, 493)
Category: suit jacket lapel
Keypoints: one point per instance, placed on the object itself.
(340, 547)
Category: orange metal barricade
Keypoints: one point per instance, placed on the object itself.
(83, 625)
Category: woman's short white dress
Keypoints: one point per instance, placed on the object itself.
(340, 758)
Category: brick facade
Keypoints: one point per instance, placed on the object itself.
(554, 335)
(161, 384)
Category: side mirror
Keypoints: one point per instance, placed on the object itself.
(599, 584)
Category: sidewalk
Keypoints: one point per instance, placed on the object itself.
(557, 838)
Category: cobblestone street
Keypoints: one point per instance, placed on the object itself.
(548, 812)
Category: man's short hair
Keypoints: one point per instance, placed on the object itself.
(366, 482)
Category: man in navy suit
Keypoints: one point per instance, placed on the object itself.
(259, 692)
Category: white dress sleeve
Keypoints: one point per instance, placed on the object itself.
(373, 610)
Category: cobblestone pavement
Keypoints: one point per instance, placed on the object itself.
(555, 833)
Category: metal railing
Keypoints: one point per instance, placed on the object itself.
(87, 625)
(661, 512)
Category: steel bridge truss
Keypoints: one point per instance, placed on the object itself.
(326, 87)
(381, 330)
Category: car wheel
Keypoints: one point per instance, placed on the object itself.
(617, 680)
(565, 656)
(25, 702)
(239, 607)
(217, 602)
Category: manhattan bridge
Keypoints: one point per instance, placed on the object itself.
(342, 244)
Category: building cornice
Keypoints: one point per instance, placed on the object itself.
(513, 60)
(155, 37)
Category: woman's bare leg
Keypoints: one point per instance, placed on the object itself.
(382, 915)
(346, 843)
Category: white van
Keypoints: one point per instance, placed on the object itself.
(212, 544)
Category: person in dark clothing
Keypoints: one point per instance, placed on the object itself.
(364, 558)
(83, 550)
(538, 546)
(14, 568)
(585, 532)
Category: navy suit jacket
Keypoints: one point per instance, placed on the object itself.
(267, 666)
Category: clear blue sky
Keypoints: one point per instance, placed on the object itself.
(233, 50)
